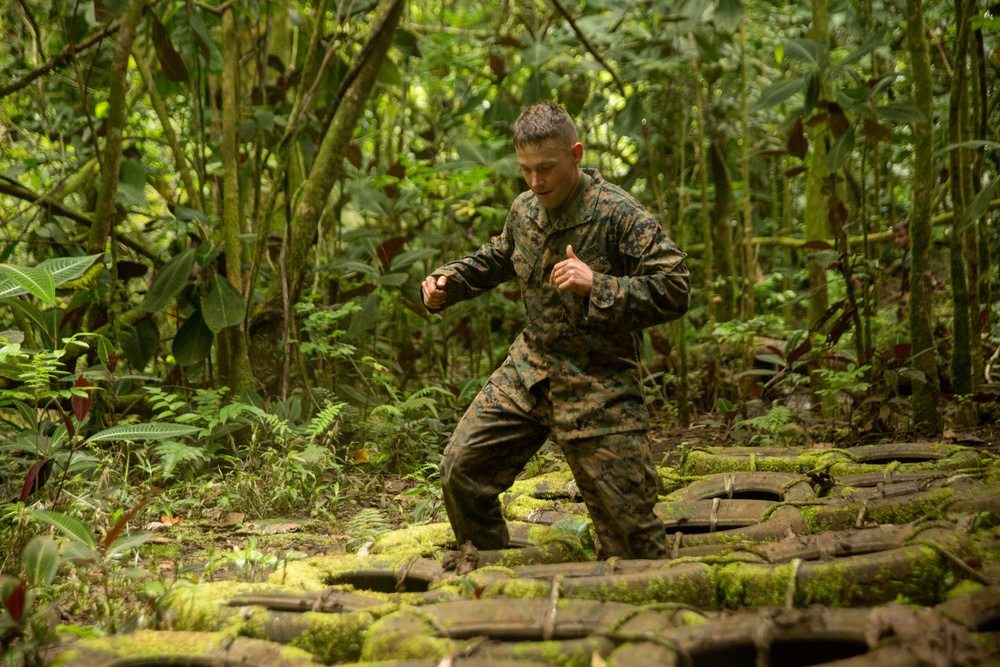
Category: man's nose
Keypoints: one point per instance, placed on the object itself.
(536, 181)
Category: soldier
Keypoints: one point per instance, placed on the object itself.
(595, 268)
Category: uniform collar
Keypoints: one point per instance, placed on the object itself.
(580, 207)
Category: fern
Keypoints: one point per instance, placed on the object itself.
(776, 419)
(366, 525)
(172, 453)
(327, 421)
(280, 428)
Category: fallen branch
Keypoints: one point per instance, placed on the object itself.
(60, 60)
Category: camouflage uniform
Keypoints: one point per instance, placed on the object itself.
(573, 371)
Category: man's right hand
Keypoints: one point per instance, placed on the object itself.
(433, 291)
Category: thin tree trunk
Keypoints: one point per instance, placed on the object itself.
(926, 397)
(111, 162)
(234, 361)
(749, 249)
(701, 142)
(722, 213)
(961, 357)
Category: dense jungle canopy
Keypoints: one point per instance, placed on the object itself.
(218, 214)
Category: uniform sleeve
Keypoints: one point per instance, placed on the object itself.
(656, 285)
(479, 272)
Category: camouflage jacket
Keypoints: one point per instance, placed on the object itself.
(588, 348)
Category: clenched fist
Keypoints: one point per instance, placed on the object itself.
(433, 292)
(572, 274)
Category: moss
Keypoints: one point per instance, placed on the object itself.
(716, 460)
(150, 644)
(672, 480)
(751, 585)
(204, 607)
(964, 587)
(551, 485)
(427, 541)
(841, 517)
(319, 572)
(578, 653)
(335, 638)
(405, 635)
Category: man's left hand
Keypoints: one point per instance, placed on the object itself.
(572, 274)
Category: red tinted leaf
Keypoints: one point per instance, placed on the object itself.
(818, 245)
(353, 155)
(127, 269)
(841, 325)
(170, 60)
(15, 602)
(36, 478)
(120, 524)
(798, 145)
(496, 65)
(875, 131)
(902, 351)
(397, 170)
(388, 249)
(838, 120)
(797, 353)
(795, 171)
(81, 404)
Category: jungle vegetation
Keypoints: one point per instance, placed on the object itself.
(214, 218)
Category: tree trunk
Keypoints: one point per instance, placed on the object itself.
(816, 209)
(926, 396)
(962, 341)
(749, 249)
(111, 160)
(724, 259)
(234, 362)
(269, 329)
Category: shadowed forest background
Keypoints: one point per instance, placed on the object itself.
(216, 216)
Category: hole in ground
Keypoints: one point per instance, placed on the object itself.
(798, 653)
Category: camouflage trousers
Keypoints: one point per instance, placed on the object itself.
(496, 438)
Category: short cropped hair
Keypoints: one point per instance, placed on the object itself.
(541, 122)
(902, 226)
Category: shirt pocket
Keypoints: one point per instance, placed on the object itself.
(595, 257)
(524, 261)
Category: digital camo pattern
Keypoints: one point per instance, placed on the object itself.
(495, 439)
(587, 348)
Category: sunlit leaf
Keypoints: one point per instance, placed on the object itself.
(979, 205)
(27, 279)
(72, 527)
(41, 560)
(145, 431)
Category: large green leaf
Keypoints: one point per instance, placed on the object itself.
(840, 151)
(804, 50)
(141, 342)
(41, 560)
(979, 205)
(145, 431)
(901, 113)
(71, 527)
(27, 279)
(223, 304)
(777, 92)
(193, 341)
(64, 269)
(169, 282)
(128, 542)
(405, 260)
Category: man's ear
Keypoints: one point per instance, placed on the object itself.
(577, 152)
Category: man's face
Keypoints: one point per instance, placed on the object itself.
(901, 238)
(551, 170)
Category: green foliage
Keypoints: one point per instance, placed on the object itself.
(365, 526)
